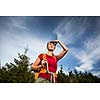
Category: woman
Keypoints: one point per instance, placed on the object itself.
(46, 64)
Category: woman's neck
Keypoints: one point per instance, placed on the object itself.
(50, 53)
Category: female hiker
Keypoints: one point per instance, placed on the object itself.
(45, 65)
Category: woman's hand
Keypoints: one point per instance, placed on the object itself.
(43, 62)
(55, 41)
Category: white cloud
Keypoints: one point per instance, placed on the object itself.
(15, 37)
(84, 67)
(96, 73)
(71, 30)
(64, 70)
(13, 43)
(90, 55)
(17, 22)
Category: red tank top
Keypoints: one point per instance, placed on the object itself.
(52, 65)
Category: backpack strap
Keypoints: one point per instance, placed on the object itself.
(44, 57)
(43, 70)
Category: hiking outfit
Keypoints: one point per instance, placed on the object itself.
(48, 72)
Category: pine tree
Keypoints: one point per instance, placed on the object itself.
(18, 72)
(62, 77)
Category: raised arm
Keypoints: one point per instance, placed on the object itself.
(65, 49)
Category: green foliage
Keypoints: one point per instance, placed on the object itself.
(17, 72)
(77, 77)
(61, 76)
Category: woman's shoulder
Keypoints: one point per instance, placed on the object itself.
(41, 55)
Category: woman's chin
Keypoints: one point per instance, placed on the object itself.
(51, 49)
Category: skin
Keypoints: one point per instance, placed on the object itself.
(51, 47)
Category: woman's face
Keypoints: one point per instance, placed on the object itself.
(51, 46)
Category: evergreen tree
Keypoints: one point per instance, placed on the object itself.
(77, 77)
(61, 77)
(17, 72)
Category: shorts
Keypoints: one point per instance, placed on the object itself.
(42, 80)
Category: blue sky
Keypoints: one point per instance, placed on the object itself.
(80, 34)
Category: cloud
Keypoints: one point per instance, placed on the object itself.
(84, 67)
(73, 30)
(18, 23)
(15, 36)
(96, 73)
(64, 70)
(90, 54)
(14, 43)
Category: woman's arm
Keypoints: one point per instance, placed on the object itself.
(36, 66)
(65, 49)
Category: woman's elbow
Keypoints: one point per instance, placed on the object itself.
(33, 67)
(66, 50)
